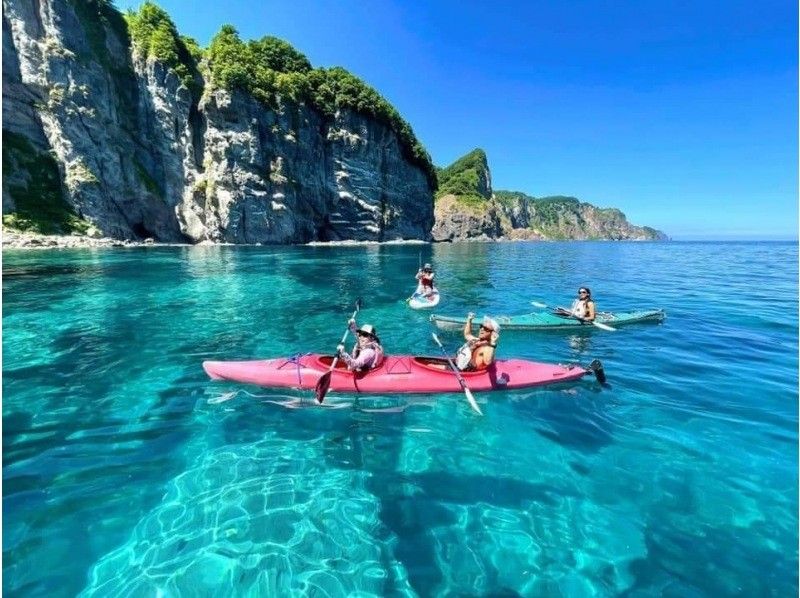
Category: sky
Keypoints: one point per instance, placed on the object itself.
(683, 114)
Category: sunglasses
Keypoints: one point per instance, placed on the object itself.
(486, 328)
(583, 293)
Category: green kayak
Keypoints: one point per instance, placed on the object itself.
(546, 320)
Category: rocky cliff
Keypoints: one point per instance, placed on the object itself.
(136, 136)
(467, 208)
(464, 208)
(568, 218)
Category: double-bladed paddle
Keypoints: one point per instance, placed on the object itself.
(568, 315)
(325, 380)
(464, 387)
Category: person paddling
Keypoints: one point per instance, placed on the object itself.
(367, 352)
(582, 308)
(425, 276)
(478, 352)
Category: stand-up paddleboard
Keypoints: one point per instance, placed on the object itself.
(422, 301)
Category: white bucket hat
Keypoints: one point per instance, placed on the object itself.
(491, 324)
(369, 330)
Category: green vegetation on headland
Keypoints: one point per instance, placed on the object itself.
(270, 68)
(154, 36)
(40, 205)
(465, 197)
(561, 217)
(466, 179)
(546, 213)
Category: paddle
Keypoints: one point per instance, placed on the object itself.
(597, 324)
(464, 387)
(325, 380)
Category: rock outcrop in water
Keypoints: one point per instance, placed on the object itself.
(467, 209)
(105, 137)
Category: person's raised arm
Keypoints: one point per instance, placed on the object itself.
(468, 327)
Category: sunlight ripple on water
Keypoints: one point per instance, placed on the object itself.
(679, 479)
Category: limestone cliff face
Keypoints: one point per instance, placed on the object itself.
(88, 113)
(286, 176)
(456, 221)
(464, 209)
(140, 155)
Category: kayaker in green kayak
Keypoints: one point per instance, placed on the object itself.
(583, 307)
(367, 352)
(478, 352)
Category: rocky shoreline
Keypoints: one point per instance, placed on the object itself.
(13, 239)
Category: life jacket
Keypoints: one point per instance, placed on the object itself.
(379, 355)
(467, 353)
(425, 281)
(580, 308)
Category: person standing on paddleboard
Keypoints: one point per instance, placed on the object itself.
(425, 276)
(479, 351)
(367, 352)
(582, 308)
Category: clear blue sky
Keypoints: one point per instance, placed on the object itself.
(682, 114)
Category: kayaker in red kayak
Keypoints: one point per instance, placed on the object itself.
(425, 276)
(367, 352)
(478, 352)
(582, 308)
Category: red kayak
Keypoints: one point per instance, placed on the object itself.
(397, 374)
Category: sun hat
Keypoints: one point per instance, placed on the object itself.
(368, 329)
(490, 324)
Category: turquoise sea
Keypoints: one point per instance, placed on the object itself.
(126, 472)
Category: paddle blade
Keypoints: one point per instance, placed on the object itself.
(538, 304)
(358, 304)
(472, 402)
(602, 326)
(436, 339)
(322, 386)
(598, 370)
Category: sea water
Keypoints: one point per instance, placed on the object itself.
(127, 472)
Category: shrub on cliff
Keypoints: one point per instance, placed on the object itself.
(154, 36)
(464, 178)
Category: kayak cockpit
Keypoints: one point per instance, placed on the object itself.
(326, 360)
(436, 364)
(394, 365)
